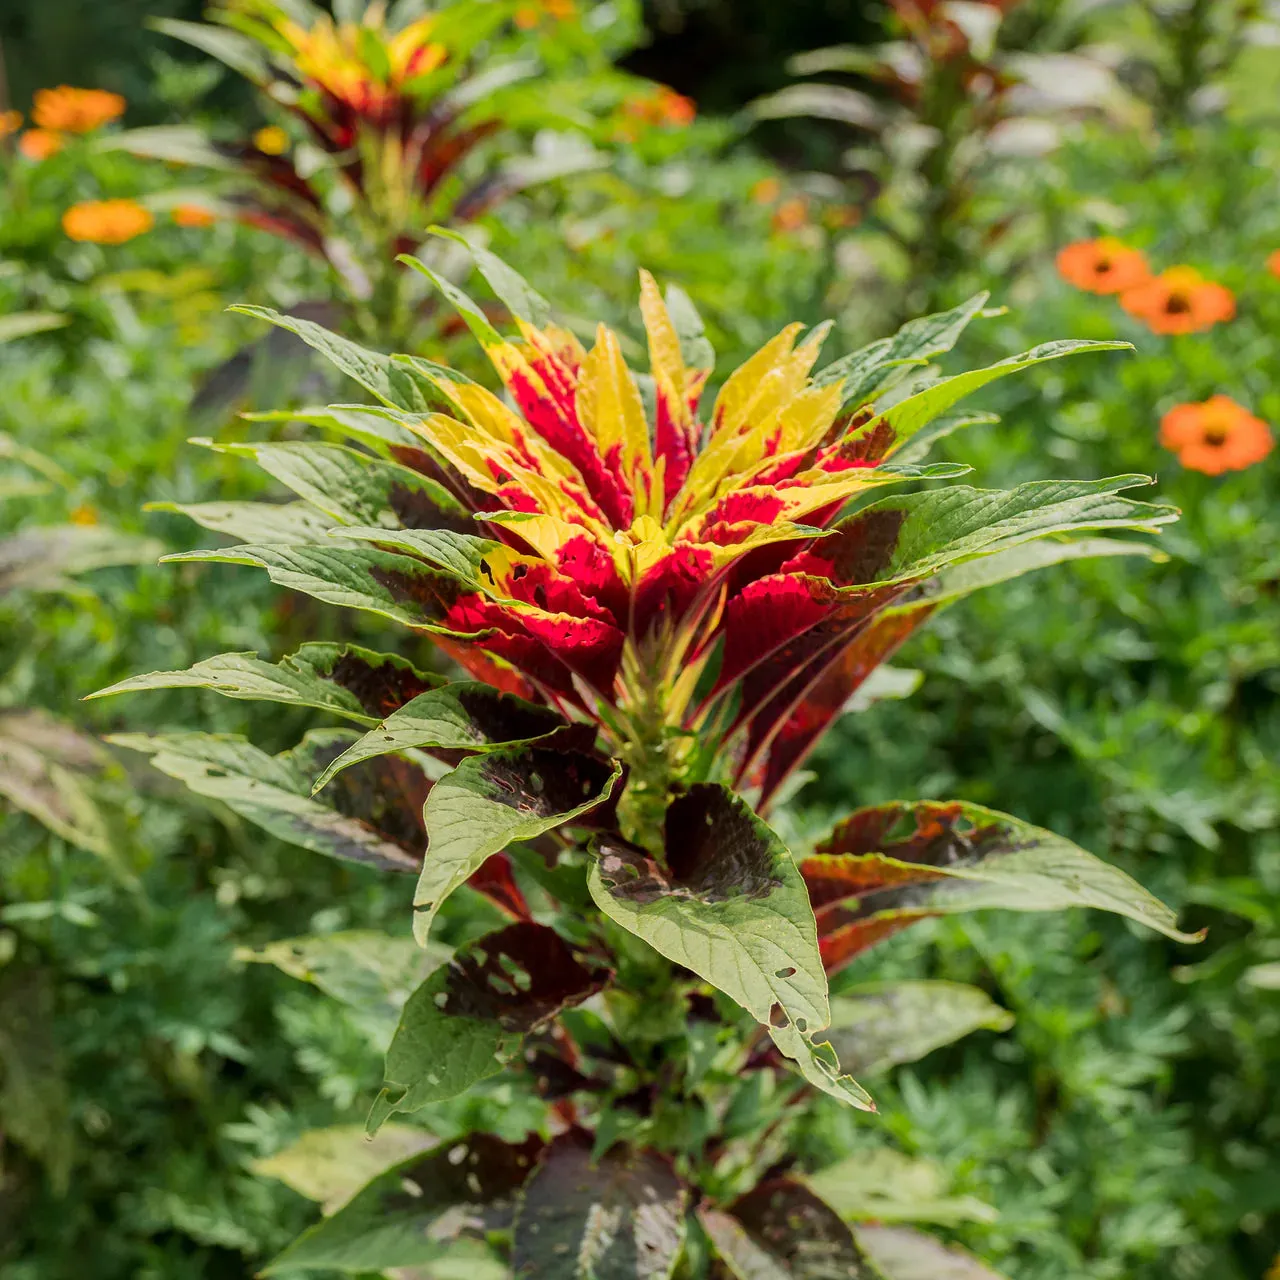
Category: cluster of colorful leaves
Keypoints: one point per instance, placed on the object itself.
(660, 610)
(1213, 435)
(394, 111)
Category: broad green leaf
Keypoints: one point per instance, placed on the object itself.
(620, 1217)
(331, 1165)
(354, 488)
(237, 51)
(731, 907)
(904, 1254)
(460, 555)
(695, 347)
(342, 678)
(917, 448)
(1265, 977)
(883, 1185)
(390, 381)
(374, 820)
(374, 425)
(887, 866)
(47, 769)
(822, 101)
(463, 716)
(370, 972)
(407, 1215)
(176, 143)
(908, 416)
(394, 586)
(470, 1017)
(21, 324)
(513, 290)
(782, 1231)
(471, 312)
(282, 523)
(44, 557)
(491, 800)
(882, 1025)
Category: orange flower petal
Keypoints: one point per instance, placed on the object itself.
(106, 221)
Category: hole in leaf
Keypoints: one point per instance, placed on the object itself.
(778, 1016)
(788, 972)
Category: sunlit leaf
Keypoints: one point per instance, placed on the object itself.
(904, 1254)
(883, 1185)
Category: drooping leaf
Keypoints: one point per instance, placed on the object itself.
(491, 800)
(176, 143)
(730, 906)
(882, 1025)
(284, 523)
(513, 290)
(408, 1215)
(782, 1231)
(904, 1254)
(22, 324)
(355, 488)
(471, 1015)
(883, 1185)
(464, 716)
(390, 381)
(620, 1217)
(372, 973)
(343, 678)
(235, 50)
(48, 769)
(824, 101)
(884, 868)
(331, 1165)
(375, 819)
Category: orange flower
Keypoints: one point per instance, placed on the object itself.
(662, 106)
(193, 215)
(1102, 266)
(766, 191)
(85, 515)
(529, 15)
(271, 140)
(106, 221)
(40, 144)
(10, 122)
(1179, 300)
(75, 110)
(1273, 265)
(1215, 435)
(792, 214)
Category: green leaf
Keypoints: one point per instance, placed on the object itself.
(617, 1218)
(353, 488)
(394, 586)
(882, 1025)
(331, 1165)
(472, 314)
(374, 819)
(470, 1017)
(44, 557)
(782, 1231)
(461, 555)
(885, 867)
(695, 347)
(236, 51)
(342, 678)
(388, 380)
(513, 290)
(22, 324)
(908, 416)
(917, 448)
(904, 1254)
(491, 800)
(883, 1185)
(407, 1215)
(282, 523)
(48, 769)
(463, 716)
(176, 143)
(372, 973)
(731, 907)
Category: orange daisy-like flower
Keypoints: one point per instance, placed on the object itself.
(1273, 263)
(193, 215)
(1179, 300)
(1102, 266)
(106, 221)
(40, 144)
(1215, 435)
(529, 15)
(662, 106)
(792, 214)
(10, 122)
(75, 110)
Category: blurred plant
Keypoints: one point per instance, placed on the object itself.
(1102, 266)
(107, 221)
(392, 121)
(949, 106)
(664, 621)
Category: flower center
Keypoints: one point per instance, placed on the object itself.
(1178, 304)
(1215, 435)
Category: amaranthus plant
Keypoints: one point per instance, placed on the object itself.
(658, 613)
(395, 119)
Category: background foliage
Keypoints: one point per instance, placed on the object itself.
(1126, 1124)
